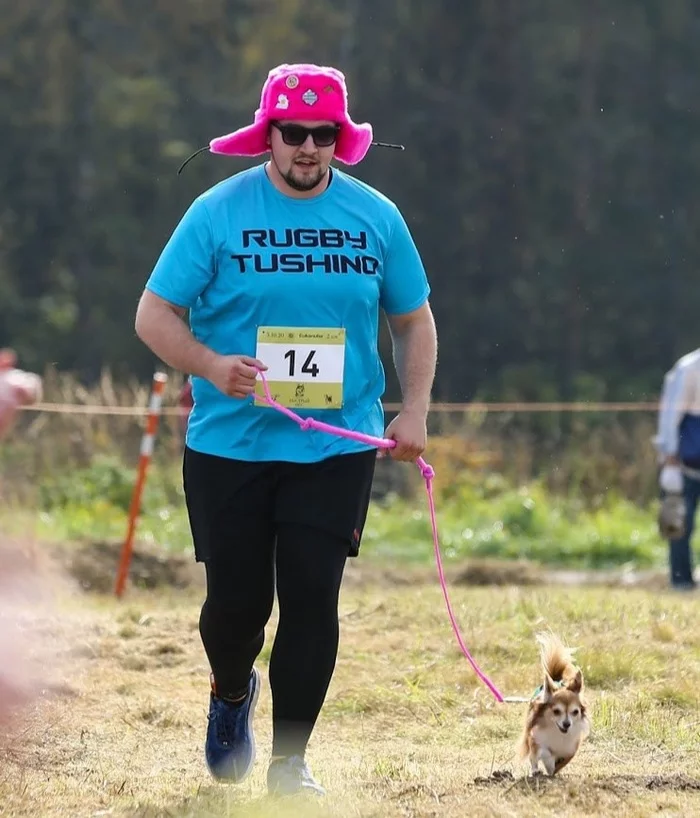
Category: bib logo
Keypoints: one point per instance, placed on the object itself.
(270, 252)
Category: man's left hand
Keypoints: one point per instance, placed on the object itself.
(409, 431)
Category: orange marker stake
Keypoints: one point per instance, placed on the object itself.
(147, 443)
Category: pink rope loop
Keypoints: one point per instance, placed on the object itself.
(428, 474)
(426, 469)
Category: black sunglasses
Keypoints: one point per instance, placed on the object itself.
(324, 136)
(298, 137)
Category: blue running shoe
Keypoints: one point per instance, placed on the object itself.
(290, 776)
(230, 744)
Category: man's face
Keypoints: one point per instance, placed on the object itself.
(302, 166)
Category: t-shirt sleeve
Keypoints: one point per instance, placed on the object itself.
(187, 263)
(404, 283)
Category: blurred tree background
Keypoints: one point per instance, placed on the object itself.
(550, 175)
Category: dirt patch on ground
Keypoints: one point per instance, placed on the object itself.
(632, 783)
(496, 777)
(499, 573)
(521, 573)
(475, 573)
(94, 567)
(618, 784)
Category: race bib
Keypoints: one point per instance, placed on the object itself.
(305, 366)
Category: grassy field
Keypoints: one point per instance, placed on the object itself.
(407, 730)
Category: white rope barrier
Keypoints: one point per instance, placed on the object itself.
(476, 407)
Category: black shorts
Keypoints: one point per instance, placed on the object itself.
(238, 501)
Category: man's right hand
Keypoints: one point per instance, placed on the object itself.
(234, 375)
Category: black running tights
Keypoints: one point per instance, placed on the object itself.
(307, 565)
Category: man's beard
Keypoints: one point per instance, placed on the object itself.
(304, 183)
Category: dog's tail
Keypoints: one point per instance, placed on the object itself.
(557, 659)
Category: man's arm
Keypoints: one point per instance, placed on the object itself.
(672, 407)
(414, 340)
(161, 326)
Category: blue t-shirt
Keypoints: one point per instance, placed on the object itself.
(246, 256)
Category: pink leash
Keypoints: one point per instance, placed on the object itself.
(428, 474)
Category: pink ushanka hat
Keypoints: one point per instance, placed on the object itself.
(300, 92)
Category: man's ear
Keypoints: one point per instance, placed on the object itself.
(576, 684)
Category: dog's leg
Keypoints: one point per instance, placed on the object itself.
(548, 760)
(561, 762)
(534, 762)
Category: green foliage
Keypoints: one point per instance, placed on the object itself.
(105, 481)
(476, 518)
(492, 519)
(93, 503)
(549, 177)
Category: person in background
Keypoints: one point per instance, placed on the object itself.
(678, 447)
(17, 389)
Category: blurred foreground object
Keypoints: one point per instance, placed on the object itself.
(19, 591)
(17, 388)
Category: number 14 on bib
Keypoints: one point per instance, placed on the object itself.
(305, 366)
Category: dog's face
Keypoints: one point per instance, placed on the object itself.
(563, 707)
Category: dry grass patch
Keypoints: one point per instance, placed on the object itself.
(407, 730)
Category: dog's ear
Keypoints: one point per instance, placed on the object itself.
(547, 689)
(576, 684)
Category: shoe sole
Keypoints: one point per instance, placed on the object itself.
(251, 713)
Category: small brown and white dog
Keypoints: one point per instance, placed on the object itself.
(556, 722)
